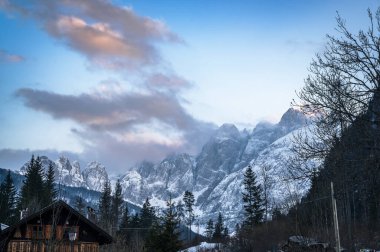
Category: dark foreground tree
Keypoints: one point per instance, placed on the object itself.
(105, 201)
(8, 211)
(219, 229)
(343, 79)
(147, 215)
(188, 199)
(252, 199)
(31, 197)
(80, 204)
(167, 239)
(117, 202)
(50, 193)
(209, 229)
(343, 93)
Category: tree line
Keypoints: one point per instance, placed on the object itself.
(147, 230)
(37, 191)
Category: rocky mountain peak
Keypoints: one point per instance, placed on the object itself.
(95, 175)
(227, 131)
(145, 168)
(293, 119)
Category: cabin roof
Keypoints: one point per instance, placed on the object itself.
(102, 236)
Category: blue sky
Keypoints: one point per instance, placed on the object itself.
(123, 81)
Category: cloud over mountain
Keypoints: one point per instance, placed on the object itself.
(134, 125)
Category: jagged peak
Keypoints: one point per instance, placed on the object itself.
(293, 118)
(228, 130)
(95, 165)
(263, 125)
(176, 156)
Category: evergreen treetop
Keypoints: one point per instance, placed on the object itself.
(253, 199)
(8, 212)
(30, 194)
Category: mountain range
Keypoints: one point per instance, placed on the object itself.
(215, 175)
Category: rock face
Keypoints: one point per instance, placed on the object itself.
(215, 175)
(95, 176)
(69, 174)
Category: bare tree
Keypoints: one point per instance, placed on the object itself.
(343, 81)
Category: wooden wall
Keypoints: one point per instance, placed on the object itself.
(42, 246)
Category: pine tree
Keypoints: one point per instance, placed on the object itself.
(188, 199)
(164, 236)
(80, 204)
(124, 223)
(125, 220)
(147, 215)
(209, 229)
(150, 222)
(50, 193)
(105, 206)
(219, 228)
(30, 195)
(169, 239)
(8, 212)
(117, 201)
(252, 198)
(225, 233)
(180, 210)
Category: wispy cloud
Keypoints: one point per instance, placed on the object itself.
(118, 111)
(9, 57)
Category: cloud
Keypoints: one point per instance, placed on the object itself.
(14, 159)
(124, 127)
(163, 82)
(112, 112)
(119, 124)
(110, 36)
(10, 58)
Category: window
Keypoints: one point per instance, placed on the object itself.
(68, 230)
(37, 232)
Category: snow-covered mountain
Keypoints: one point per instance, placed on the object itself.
(215, 175)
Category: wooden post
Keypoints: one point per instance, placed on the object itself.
(335, 217)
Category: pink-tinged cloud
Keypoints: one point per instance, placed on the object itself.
(109, 113)
(9, 57)
(110, 36)
(154, 123)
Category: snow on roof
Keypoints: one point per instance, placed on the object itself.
(203, 245)
(3, 226)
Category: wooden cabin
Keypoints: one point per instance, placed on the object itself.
(58, 228)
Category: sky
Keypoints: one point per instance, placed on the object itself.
(124, 81)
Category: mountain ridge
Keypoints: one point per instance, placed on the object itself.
(215, 175)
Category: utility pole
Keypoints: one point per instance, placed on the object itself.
(335, 216)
